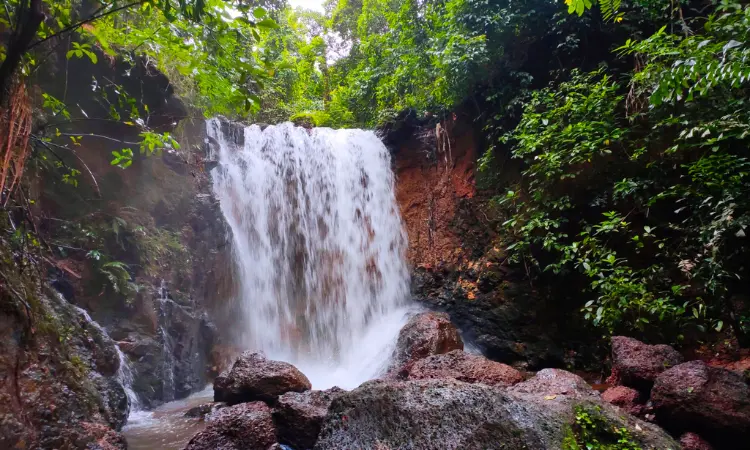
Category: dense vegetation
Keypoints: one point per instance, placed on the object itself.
(630, 118)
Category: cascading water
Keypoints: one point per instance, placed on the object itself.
(125, 372)
(319, 245)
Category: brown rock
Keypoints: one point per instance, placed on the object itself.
(299, 416)
(102, 437)
(553, 382)
(628, 399)
(253, 377)
(691, 441)
(248, 426)
(636, 365)
(466, 367)
(426, 334)
(708, 400)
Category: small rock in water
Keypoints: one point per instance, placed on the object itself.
(253, 378)
(201, 411)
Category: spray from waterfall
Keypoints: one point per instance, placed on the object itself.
(319, 246)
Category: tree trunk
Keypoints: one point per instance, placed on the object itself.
(28, 19)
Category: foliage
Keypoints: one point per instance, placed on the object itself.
(592, 431)
(643, 193)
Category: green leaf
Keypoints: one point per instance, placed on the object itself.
(259, 12)
(268, 23)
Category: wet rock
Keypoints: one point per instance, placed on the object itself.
(691, 441)
(100, 437)
(552, 382)
(508, 323)
(711, 401)
(248, 426)
(299, 416)
(636, 365)
(450, 414)
(201, 411)
(463, 366)
(253, 377)
(428, 333)
(626, 398)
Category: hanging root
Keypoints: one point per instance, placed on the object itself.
(15, 130)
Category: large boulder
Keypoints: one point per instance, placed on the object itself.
(553, 382)
(428, 333)
(299, 416)
(253, 377)
(248, 426)
(450, 414)
(711, 401)
(463, 366)
(636, 365)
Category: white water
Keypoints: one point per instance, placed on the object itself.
(319, 246)
(125, 371)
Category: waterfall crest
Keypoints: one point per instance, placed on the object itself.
(319, 246)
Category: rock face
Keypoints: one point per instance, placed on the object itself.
(711, 401)
(299, 416)
(56, 384)
(628, 399)
(637, 365)
(253, 377)
(450, 414)
(428, 333)
(552, 382)
(248, 426)
(466, 367)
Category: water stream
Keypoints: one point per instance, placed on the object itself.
(320, 249)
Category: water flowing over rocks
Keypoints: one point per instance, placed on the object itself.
(318, 244)
(253, 378)
(450, 414)
(711, 401)
(466, 367)
(637, 365)
(248, 426)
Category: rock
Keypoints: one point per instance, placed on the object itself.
(712, 401)
(463, 366)
(426, 334)
(248, 426)
(552, 382)
(299, 416)
(253, 377)
(101, 437)
(636, 365)
(626, 398)
(691, 441)
(450, 414)
(201, 411)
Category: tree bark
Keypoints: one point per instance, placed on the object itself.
(29, 18)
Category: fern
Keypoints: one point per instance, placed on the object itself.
(610, 8)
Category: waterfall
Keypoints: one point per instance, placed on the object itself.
(319, 246)
(125, 371)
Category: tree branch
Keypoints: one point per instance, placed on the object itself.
(29, 20)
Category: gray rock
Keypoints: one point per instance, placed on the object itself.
(299, 416)
(449, 414)
(248, 426)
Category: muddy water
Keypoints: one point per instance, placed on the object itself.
(166, 427)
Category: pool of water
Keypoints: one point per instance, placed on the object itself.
(166, 427)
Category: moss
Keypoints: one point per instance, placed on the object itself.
(592, 431)
(311, 119)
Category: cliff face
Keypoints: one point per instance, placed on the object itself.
(142, 250)
(456, 254)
